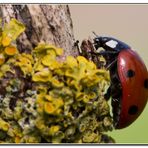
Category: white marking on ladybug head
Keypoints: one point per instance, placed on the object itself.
(112, 43)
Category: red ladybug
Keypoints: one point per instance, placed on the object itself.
(129, 80)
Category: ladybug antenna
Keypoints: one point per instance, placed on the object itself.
(95, 34)
(95, 38)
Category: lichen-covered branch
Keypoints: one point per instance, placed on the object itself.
(44, 100)
(44, 23)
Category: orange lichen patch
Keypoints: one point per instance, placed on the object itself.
(11, 31)
(49, 108)
(2, 59)
(11, 50)
(6, 41)
(17, 139)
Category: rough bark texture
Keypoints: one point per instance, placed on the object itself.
(44, 23)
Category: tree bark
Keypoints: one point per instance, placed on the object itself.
(44, 23)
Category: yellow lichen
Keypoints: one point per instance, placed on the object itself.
(46, 100)
(11, 31)
(6, 41)
(24, 61)
(54, 129)
(17, 139)
(4, 125)
(10, 50)
(6, 68)
(56, 83)
(44, 75)
(46, 48)
(71, 62)
(40, 102)
(49, 108)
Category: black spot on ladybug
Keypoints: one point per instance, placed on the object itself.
(133, 110)
(130, 73)
(146, 83)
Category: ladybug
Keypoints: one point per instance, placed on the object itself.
(129, 80)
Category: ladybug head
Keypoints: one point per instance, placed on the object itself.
(98, 42)
(109, 44)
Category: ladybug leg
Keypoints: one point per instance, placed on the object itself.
(76, 44)
(110, 65)
(115, 83)
(116, 93)
(109, 57)
(109, 53)
(116, 102)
